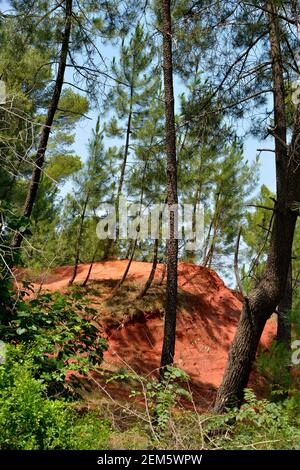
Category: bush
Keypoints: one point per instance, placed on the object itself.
(58, 331)
(29, 420)
(261, 424)
(257, 425)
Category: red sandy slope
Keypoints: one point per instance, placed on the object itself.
(205, 327)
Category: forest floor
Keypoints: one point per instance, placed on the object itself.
(208, 313)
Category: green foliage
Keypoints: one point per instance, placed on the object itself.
(258, 424)
(274, 365)
(29, 420)
(160, 396)
(59, 334)
(165, 394)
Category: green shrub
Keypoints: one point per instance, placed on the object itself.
(29, 420)
(58, 331)
(262, 424)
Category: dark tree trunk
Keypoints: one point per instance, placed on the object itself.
(78, 241)
(91, 265)
(45, 133)
(125, 157)
(126, 149)
(122, 280)
(215, 226)
(284, 332)
(168, 349)
(152, 272)
(163, 273)
(133, 243)
(263, 300)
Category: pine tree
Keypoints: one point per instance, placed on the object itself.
(130, 98)
(91, 184)
(168, 350)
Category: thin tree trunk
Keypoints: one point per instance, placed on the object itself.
(263, 300)
(126, 149)
(152, 272)
(215, 225)
(168, 348)
(134, 244)
(236, 263)
(78, 240)
(45, 133)
(91, 265)
(122, 280)
(163, 274)
(125, 156)
(128, 251)
(206, 249)
(164, 270)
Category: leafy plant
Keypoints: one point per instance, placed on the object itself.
(160, 396)
(29, 420)
(57, 330)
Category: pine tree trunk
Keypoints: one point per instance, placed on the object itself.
(152, 272)
(45, 133)
(168, 349)
(122, 280)
(91, 265)
(215, 226)
(263, 300)
(125, 157)
(78, 241)
(163, 274)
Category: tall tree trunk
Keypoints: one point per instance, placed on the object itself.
(91, 265)
(45, 133)
(125, 156)
(263, 300)
(164, 269)
(239, 284)
(133, 243)
(78, 240)
(284, 332)
(168, 349)
(215, 226)
(152, 272)
(122, 280)
(126, 149)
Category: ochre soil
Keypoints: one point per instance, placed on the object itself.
(207, 318)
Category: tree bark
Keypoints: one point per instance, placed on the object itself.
(152, 272)
(78, 240)
(122, 280)
(126, 151)
(263, 300)
(163, 273)
(168, 349)
(45, 133)
(91, 265)
(215, 226)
